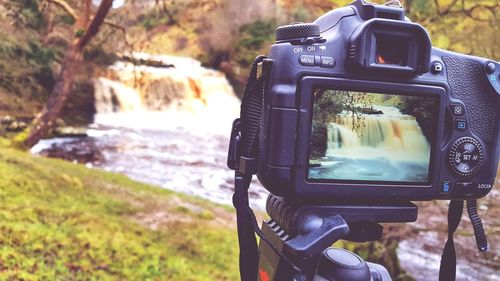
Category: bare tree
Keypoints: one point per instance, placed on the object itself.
(85, 30)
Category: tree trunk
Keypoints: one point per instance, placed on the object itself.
(45, 122)
(73, 57)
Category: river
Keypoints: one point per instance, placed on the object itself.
(169, 127)
(166, 126)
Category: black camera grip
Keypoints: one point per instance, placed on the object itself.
(468, 83)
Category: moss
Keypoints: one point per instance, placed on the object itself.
(206, 215)
(25, 84)
(62, 221)
(183, 210)
(20, 138)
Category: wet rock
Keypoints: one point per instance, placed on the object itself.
(69, 131)
(76, 151)
(371, 111)
(6, 120)
(146, 61)
(16, 126)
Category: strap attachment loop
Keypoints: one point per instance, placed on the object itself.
(233, 153)
(248, 166)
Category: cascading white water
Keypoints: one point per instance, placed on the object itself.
(186, 94)
(167, 126)
(391, 135)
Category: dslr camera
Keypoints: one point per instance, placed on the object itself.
(354, 116)
(358, 106)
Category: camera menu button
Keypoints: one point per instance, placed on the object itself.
(307, 60)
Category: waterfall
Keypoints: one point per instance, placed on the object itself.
(390, 135)
(180, 91)
(113, 96)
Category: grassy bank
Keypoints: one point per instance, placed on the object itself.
(60, 221)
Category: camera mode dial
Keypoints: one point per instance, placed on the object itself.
(297, 31)
(466, 156)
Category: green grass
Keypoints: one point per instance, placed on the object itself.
(62, 221)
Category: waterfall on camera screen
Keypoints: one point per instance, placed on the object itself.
(391, 135)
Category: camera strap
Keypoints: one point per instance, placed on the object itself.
(447, 270)
(242, 158)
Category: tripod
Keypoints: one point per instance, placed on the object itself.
(303, 233)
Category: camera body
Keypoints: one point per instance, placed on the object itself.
(359, 107)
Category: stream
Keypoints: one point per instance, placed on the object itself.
(169, 127)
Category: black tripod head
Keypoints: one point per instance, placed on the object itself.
(303, 233)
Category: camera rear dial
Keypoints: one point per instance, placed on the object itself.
(466, 156)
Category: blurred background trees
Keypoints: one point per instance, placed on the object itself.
(223, 34)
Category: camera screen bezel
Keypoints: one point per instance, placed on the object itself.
(308, 187)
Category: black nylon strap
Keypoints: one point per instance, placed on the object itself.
(249, 254)
(447, 271)
(251, 111)
(247, 148)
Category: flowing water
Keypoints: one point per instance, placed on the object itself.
(387, 146)
(169, 127)
(166, 126)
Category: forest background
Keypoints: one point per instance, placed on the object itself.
(223, 34)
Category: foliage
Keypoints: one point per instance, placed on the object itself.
(61, 221)
(66, 19)
(150, 23)
(33, 67)
(99, 56)
(28, 13)
(253, 37)
(19, 139)
(26, 62)
(79, 33)
(328, 104)
(467, 26)
(165, 14)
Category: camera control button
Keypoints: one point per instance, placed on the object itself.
(445, 187)
(437, 67)
(461, 125)
(317, 60)
(491, 68)
(465, 188)
(466, 156)
(307, 60)
(327, 62)
(457, 109)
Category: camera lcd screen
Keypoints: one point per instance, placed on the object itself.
(371, 137)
